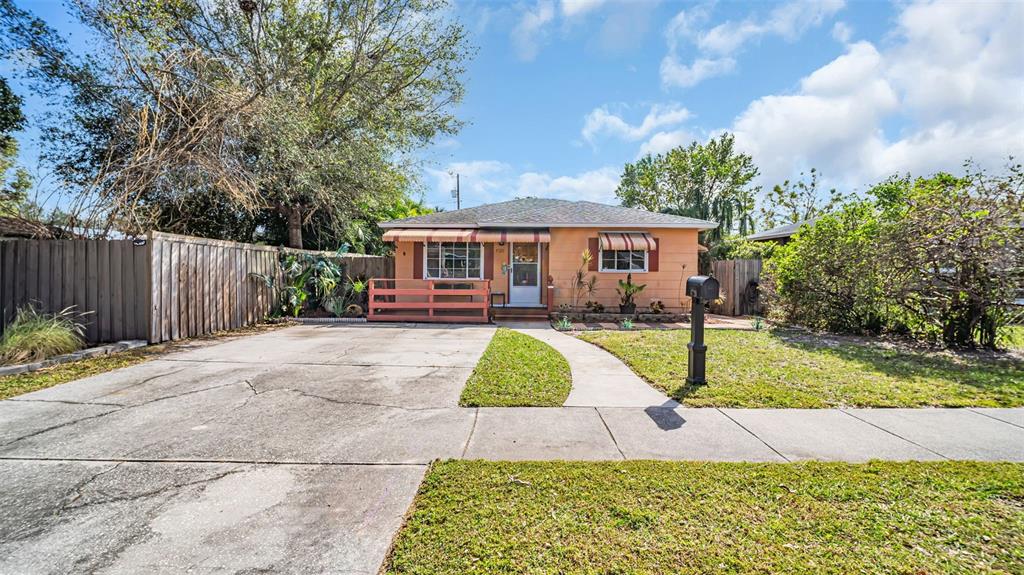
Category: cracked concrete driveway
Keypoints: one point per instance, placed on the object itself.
(294, 451)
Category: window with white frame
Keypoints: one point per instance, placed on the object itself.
(623, 260)
(453, 260)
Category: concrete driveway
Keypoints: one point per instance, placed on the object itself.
(300, 450)
(294, 451)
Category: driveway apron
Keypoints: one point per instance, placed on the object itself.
(293, 451)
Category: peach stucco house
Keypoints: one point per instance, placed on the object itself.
(525, 252)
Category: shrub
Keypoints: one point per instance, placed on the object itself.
(34, 336)
(954, 247)
(309, 280)
(740, 248)
(939, 258)
(827, 276)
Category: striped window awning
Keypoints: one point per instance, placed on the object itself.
(627, 241)
(483, 236)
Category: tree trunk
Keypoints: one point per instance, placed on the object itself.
(295, 227)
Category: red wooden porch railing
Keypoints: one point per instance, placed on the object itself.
(429, 300)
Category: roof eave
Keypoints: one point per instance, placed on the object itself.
(759, 238)
(447, 226)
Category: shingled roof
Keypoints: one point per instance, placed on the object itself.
(543, 213)
(780, 232)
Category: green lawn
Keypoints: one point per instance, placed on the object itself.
(1012, 336)
(686, 517)
(517, 370)
(780, 369)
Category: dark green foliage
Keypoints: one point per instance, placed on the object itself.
(828, 276)
(11, 117)
(310, 281)
(940, 258)
(708, 181)
(740, 248)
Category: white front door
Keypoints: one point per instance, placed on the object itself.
(524, 282)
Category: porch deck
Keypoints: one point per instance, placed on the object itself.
(452, 301)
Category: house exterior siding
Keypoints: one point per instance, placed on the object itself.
(405, 269)
(677, 254)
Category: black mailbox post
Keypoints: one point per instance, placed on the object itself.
(702, 289)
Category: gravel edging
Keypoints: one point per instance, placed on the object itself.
(314, 320)
(75, 356)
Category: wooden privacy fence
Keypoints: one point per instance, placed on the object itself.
(109, 278)
(738, 280)
(167, 287)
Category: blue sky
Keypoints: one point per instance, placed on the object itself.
(562, 93)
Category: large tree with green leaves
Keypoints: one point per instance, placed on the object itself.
(14, 181)
(276, 113)
(711, 181)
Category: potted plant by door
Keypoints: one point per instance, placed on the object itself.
(627, 290)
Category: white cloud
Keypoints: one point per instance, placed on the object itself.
(718, 46)
(595, 186)
(600, 121)
(487, 181)
(662, 142)
(529, 33)
(949, 86)
(572, 8)
(675, 73)
(842, 32)
(480, 182)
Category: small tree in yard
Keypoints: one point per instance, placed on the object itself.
(828, 276)
(956, 247)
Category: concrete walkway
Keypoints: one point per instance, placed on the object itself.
(599, 379)
(300, 450)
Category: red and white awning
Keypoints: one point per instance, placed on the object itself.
(627, 241)
(483, 236)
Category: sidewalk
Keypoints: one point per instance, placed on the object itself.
(681, 433)
(613, 414)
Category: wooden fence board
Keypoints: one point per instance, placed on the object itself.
(736, 279)
(168, 287)
(116, 292)
(68, 274)
(7, 267)
(81, 280)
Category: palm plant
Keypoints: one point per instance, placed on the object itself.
(304, 276)
(581, 284)
(627, 290)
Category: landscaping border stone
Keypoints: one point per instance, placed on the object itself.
(75, 356)
(591, 317)
(315, 320)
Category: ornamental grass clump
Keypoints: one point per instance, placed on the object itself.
(35, 336)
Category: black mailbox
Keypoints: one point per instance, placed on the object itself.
(704, 288)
